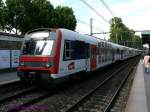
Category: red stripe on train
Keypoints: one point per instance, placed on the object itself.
(57, 52)
(35, 59)
(49, 70)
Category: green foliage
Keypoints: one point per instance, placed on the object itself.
(137, 41)
(121, 34)
(14, 13)
(37, 14)
(24, 15)
(2, 20)
(65, 18)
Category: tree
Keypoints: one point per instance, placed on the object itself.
(38, 14)
(13, 15)
(137, 41)
(2, 20)
(24, 15)
(65, 18)
(121, 34)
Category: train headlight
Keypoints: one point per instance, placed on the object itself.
(22, 64)
(49, 64)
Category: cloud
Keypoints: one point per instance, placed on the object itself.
(132, 6)
(139, 21)
(84, 13)
(135, 13)
(58, 2)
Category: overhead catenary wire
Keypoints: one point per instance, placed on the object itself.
(83, 22)
(122, 31)
(107, 7)
(101, 16)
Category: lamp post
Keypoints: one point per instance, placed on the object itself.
(91, 26)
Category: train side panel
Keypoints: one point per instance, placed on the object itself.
(74, 53)
(74, 56)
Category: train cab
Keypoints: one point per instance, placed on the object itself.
(39, 53)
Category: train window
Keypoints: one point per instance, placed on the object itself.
(80, 50)
(106, 45)
(99, 59)
(97, 51)
(102, 44)
(99, 44)
(118, 51)
(75, 50)
(103, 59)
(67, 50)
(100, 51)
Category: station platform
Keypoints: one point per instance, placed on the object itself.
(8, 77)
(139, 98)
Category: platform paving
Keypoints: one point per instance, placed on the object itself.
(138, 98)
(147, 86)
(8, 77)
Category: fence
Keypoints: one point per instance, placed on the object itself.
(9, 59)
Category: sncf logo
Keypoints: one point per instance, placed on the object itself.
(71, 66)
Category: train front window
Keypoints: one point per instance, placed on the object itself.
(38, 47)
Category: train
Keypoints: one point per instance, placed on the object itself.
(54, 55)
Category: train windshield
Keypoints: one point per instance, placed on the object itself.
(39, 43)
(38, 47)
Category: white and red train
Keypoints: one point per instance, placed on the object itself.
(53, 55)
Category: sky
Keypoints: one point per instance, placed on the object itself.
(134, 13)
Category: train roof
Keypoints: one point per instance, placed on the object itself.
(117, 46)
(78, 36)
(81, 37)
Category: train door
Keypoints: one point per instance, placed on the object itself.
(87, 58)
(93, 57)
(113, 55)
(121, 54)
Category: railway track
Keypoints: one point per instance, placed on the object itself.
(101, 98)
(64, 100)
(12, 86)
(23, 101)
(8, 86)
(15, 94)
(12, 90)
(24, 98)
